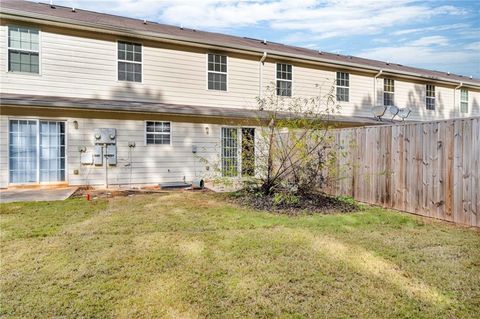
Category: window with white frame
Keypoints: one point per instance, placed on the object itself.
(343, 87)
(159, 133)
(464, 100)
(388, 92)
(217, 72)
(430, 97)
(23, 50)
(129, 61)
(284, 79)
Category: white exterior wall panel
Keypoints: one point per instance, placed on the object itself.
(151, 164)
(84, 65)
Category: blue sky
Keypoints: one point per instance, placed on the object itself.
(435, 34)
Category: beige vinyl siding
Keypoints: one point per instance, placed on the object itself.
(84, 65)
(151, 164)
(171, 74)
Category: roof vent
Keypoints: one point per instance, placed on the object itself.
(264, 41)
(181, 26)
(448, 73)
(52, 5)
(73, 10)
(387, 63)
(145, 21)
(471, 77)
(320, 52)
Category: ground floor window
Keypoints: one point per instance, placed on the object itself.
(229, 151)
(36, 151)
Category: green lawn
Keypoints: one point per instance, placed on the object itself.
(189, 255)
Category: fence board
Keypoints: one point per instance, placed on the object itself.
(431, 169)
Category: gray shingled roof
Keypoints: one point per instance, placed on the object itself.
(138, 27)
(21, 100)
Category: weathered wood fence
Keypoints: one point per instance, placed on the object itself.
(430, 169)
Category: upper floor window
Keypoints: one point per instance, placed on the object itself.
(129, 62)
(430, 97)
(343, 84)
(217, 72)
(464, 100)
(388, 92)
(23, 50)
(158, 133)
(284, 79)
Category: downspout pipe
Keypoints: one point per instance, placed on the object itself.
(375, 87)
(455, 98)
(260, 85)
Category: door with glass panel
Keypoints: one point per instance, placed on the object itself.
(36, 151)
(229, 151)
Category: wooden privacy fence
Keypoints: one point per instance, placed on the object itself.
(430, 168)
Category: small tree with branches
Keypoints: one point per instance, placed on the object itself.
(295, 149)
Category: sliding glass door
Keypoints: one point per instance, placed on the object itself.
(23, 138)
(37, 151)
(52, 151)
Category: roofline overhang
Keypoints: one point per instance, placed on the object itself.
(255, 115)
(12, 14)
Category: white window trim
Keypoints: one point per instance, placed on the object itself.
(430, 97)
(38, 120)
(128, 61)
(217, 72)
(7, 59)
(343, 87)
(391, 92)
(158, 133)
(277, 79)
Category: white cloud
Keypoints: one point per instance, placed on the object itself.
(320, 18)
(464, 60)
(430, 41)
(436, 28)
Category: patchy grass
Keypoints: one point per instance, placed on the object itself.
(188, 255)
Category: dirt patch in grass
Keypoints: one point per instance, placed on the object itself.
(312, 203)
(109, 193)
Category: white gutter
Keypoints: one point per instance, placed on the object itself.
(375, 87)
(260, 84)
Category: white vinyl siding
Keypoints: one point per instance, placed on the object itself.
(284, 79)
(388, 92)
(23, 50)
(177, 74)
(129, 61)
(217, 72)
(343, 87)
(430, 97)
(463, 100)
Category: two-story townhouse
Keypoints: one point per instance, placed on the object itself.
(173, 95)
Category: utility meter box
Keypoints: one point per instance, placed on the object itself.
(105, 136)
(111, 154)
(86, 158)
(98, 155)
